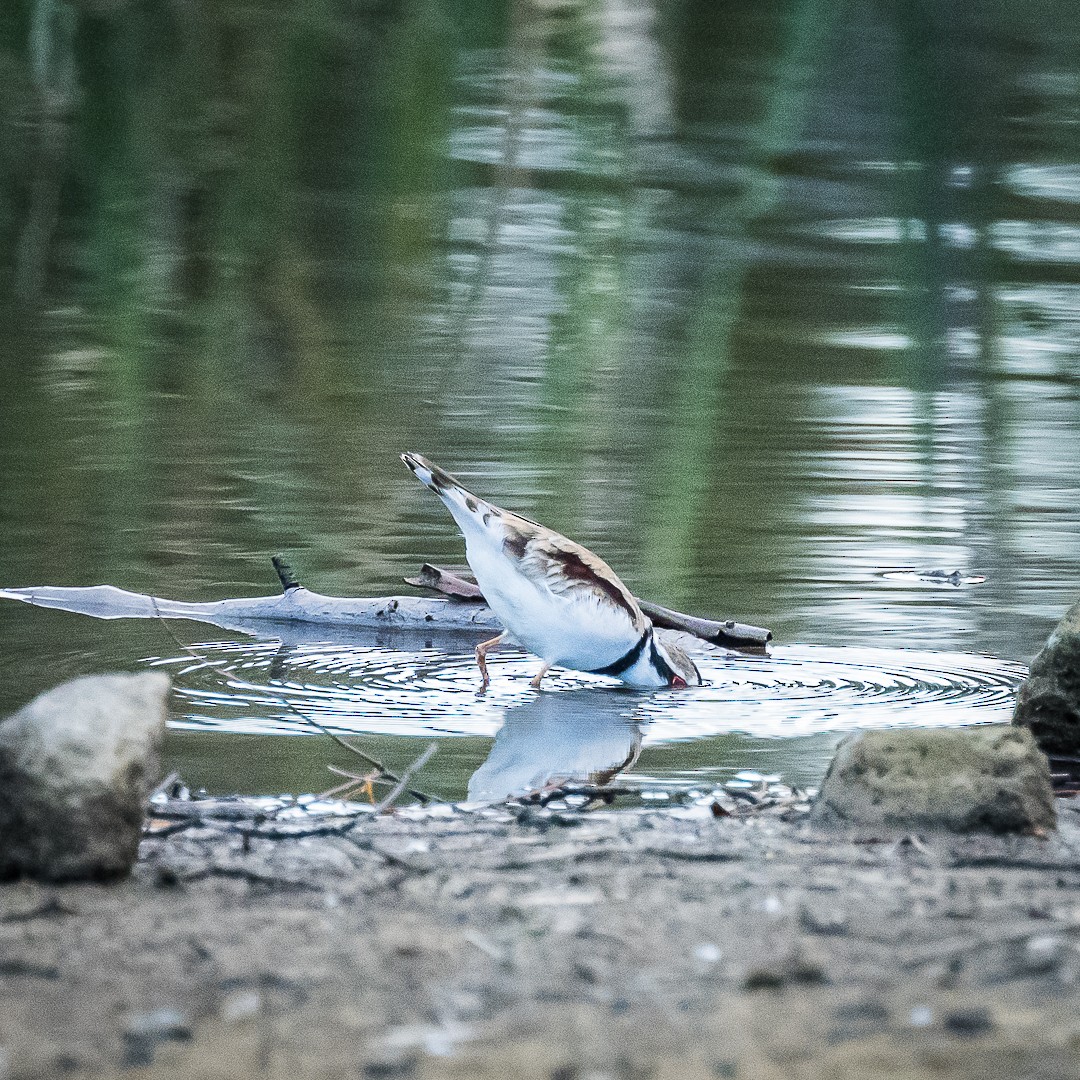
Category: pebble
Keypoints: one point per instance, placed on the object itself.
(801, 965)
(771, 905)
(146, 1031)
(823, 921)
(864, 1009)
(1044, 953)
(163, 1023)
(921, 1016)
(970, 1021)
(240, 1005)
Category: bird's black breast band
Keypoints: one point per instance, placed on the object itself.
(661, 665)
(629, 658)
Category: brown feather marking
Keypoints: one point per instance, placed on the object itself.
(515, 543)
(470, 502)
(440, 480)
(575, 567)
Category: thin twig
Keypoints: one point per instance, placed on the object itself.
(356, 777)
(952, 948)
(339, 791)
(165, 784)
(285, 704)
(151, 833)
(399, 787)
(252, 877)
(51, 907)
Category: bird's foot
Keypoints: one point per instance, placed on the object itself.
(535, 681)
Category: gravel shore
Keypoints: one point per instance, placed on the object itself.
(609, 944)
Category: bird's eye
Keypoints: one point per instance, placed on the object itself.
(679, 682)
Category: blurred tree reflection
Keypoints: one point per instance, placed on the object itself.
(573, 238)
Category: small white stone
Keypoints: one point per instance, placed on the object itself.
(158, 1023)
(921, 1016)
(241, 1005)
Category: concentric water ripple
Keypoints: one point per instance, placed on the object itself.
(798, 690)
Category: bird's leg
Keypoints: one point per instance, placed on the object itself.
(534, 682)
(481, 657)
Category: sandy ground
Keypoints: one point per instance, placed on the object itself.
(600, 945)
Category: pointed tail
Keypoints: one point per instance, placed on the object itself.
(468, 509)
(427, 472)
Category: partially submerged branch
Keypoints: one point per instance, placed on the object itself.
(406, 776)
(460, 607)
(263, 615)
(729, 634)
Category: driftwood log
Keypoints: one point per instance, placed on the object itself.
(460, 608)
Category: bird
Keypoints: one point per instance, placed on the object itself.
(555, 598)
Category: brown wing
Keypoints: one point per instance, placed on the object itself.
(566, 568)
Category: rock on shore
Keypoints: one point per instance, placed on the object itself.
(76, 765)
(991, 779)
(1049, 701)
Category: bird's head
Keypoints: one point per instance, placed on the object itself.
(675, 664)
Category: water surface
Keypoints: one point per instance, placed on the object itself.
(774, 307)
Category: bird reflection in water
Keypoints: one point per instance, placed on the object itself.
(553, 739)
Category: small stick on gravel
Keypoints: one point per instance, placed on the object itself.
(591, 793)
(353, 781)
(168, 782)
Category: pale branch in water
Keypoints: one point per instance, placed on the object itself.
(461, 609)
(259, 614)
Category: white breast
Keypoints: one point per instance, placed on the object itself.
(576, 632)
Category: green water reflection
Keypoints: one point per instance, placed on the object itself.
(760, 300)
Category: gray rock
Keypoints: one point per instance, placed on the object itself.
(986, 779)
(76, 766)
(800, 964)
(1049, 700)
